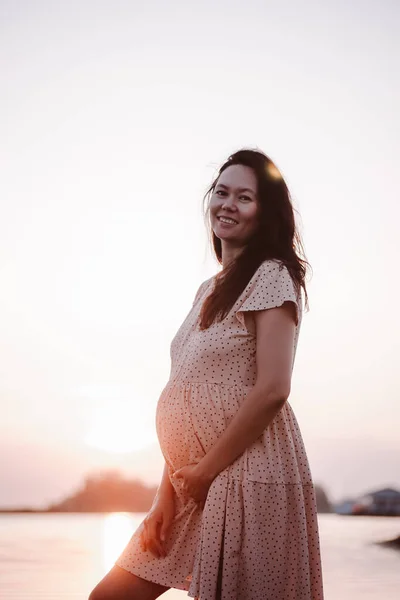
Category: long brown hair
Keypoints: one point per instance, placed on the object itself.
(276, 237)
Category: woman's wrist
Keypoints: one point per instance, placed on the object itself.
(166, 487)
(206, 470)
(165, 492)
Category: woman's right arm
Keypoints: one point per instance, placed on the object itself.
(165, 488)
(160, 517)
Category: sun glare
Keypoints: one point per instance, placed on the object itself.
(117, 530)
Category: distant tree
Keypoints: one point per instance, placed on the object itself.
(108, 491)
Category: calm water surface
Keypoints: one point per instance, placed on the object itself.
(62, 557)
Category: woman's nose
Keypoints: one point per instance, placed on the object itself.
(229, 202)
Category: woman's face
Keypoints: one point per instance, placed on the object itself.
(235, 197)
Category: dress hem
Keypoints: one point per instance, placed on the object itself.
(175, 586)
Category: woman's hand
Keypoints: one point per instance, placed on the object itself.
(195, 482)
(157, 524)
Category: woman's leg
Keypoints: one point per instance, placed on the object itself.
(119, 584)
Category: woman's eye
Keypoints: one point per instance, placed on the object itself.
(224, 193)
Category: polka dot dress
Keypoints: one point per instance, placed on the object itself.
(257, 536)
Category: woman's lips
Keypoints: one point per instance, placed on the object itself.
(232, 222)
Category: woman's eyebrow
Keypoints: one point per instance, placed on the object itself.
(239, 189)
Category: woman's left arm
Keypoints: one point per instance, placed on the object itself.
(275, 331)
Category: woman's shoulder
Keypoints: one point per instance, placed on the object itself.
(268, 269)
(271, 277)
(203, 286)
(273, 264)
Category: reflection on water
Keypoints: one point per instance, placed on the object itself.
(117, 531)
(63, 556)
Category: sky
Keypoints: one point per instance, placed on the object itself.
(114, 117)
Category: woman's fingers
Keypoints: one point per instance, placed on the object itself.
(156, 548)
(142, 539)
(149, 539)
(164, 530)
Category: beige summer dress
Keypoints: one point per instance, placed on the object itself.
(257, 536)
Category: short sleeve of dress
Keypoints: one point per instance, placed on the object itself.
(270, 286)
(200, 291)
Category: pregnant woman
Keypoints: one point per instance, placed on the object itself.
(235, 514)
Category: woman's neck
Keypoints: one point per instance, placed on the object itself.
(229, 254)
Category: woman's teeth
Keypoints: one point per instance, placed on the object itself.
(225, 220)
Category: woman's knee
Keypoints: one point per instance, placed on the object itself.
(113, 586)
(119, 584)
(103, 592)
(96, 594)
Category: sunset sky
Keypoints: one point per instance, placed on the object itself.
(114, 117)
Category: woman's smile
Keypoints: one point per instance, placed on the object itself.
(227, 221)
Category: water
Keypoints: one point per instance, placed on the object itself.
(62, 557)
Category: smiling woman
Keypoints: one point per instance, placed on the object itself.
(235, 514)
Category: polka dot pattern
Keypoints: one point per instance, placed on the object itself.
(257, 536)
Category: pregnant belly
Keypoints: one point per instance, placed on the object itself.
(191, 417)
(178, 440)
